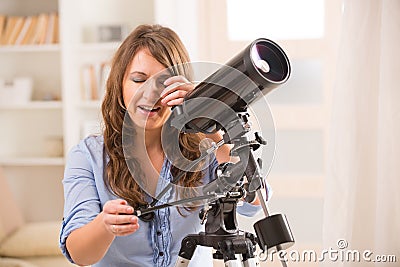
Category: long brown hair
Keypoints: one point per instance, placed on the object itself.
(167, 48)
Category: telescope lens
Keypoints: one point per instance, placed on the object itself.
(270, 61)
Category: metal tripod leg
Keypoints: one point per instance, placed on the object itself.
(250, 262)
(188, 246)
(245, 247)
(227, 247)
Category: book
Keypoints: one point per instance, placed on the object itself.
(30, 33)
(89, 82)
(50, 28)
(56, 34)
(40, 29)
(10, 24)
(29, 30)
(19, 23)
(104, 73)
(93, 80)
(2, 25)
(23, 31)
(43, 29)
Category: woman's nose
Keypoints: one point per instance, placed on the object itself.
(153, 91)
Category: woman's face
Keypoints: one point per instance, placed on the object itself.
(142, 90)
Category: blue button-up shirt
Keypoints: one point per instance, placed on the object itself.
(155, 243)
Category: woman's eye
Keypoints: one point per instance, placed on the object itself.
(138, 80)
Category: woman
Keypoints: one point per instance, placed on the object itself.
(106, 178)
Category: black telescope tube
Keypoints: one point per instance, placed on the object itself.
(254, 72)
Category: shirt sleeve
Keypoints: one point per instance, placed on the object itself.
(81, 199)
(250, 210)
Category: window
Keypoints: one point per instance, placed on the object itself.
(251, 19)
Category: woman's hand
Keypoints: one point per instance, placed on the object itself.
(119, 219)
(177, 87)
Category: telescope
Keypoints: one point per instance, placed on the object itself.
(220, 103)
(251, 74)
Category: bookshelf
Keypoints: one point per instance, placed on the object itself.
(35, 29)
(29, 48)
(38, 133)
(84, 49)
(34, 105)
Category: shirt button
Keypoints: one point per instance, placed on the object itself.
(159, 232)
(161, 253)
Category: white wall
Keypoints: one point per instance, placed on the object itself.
(182, 16)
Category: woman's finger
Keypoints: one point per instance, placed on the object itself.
(176, 82)
(124, 229)
(175, 79)
(187, 87)
(175, 102)
(176, 95)
(117, 206)
(120, 219)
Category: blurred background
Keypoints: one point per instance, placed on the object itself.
(334, 172)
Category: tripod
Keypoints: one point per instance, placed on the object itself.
(222, 234)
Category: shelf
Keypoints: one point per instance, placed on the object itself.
(30, 48)
(32, 161)
(94, 104)
(33, 105)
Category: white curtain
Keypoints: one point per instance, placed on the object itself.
(362, 200)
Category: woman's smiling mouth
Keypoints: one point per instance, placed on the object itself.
(148, 110)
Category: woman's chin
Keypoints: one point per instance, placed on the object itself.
(148, 125)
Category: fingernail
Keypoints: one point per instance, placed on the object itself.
(130, 209)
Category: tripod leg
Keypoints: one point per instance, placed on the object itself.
(252, 262)
(188, 246)
(233, 263)
(182, 262)
(228, 249)
(249, 259)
